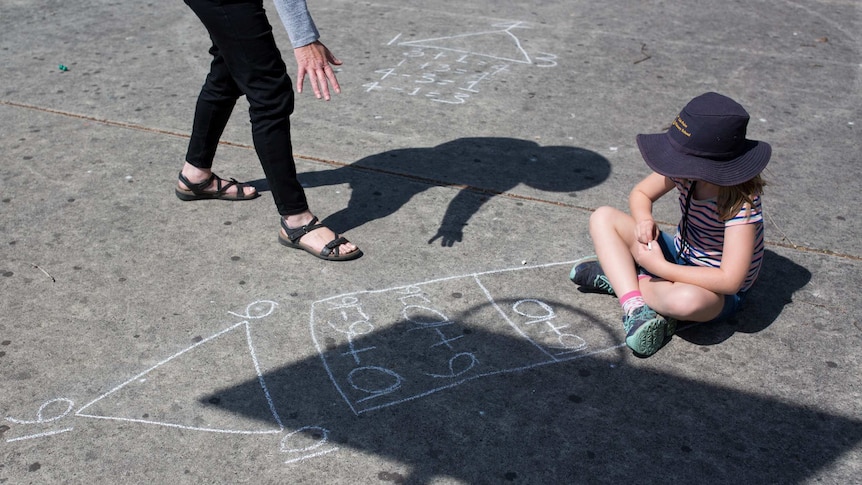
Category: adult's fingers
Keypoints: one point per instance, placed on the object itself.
(313, 61)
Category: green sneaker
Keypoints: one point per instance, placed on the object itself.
(671, 327)
(647, 331)
(588, 275)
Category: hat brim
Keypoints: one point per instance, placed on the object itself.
(662, 157)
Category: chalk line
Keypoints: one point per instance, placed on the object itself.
(261, 381)
(552, 359)
(39, 435)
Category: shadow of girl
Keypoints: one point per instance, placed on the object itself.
(779, 279)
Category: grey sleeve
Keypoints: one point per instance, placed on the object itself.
(297, 21)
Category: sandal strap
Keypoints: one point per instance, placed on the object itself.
(198, 188)
(296, 234)
(333, 246)
(240, 192)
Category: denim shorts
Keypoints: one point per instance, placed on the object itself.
(732, 303)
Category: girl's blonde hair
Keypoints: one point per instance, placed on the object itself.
(732, 199)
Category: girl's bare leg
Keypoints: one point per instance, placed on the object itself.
(681, 301)
(613, 234)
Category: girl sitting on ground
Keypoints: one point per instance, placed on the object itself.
(703, 272)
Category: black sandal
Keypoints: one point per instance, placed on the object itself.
(330, 252)
(198, 192)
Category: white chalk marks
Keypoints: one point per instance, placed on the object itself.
(500, 44)
(452, 69)
(306, 442)
(385, 347)
(379, 348)
(45, 415)
(168, 393)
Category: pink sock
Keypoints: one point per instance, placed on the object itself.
(632, 300)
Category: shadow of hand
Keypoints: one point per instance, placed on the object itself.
(483, 167)
(447, 238)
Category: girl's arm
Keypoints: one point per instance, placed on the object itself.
(641, 199)
(727, 279)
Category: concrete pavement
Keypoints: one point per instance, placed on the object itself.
(147, 340)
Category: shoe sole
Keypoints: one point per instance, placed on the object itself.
(585, 259)
(647, 339)
(344, 257)
(189, 196)
(671, 328)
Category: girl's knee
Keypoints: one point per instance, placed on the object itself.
(603, 216)
(692, 303)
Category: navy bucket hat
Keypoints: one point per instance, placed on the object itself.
(707, 142)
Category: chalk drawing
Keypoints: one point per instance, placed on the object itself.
(124, 395)
(382, 348)
(483, 331)
(140, 385)
(39, 435)
(297, 443)
(500, 44)
(41, 419)
(451, 69)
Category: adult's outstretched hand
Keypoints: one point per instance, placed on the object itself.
(313, 60)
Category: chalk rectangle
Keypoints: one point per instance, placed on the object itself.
(388, 346)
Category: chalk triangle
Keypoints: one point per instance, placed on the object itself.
(501, 44)
(184, 390)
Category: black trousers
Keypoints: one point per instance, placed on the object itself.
(247, 62)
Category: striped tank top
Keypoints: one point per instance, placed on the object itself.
(705, 232)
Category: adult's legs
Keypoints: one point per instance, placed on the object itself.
(248, 55)
(243, 36)
(212, 111)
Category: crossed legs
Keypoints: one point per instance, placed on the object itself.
(613, 234)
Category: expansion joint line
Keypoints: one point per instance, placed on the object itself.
(415, 178)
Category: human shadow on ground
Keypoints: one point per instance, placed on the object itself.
(458, 387)
(779, 279)
(488, 166)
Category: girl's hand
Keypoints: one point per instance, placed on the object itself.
(649, 256)
(646, 231)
